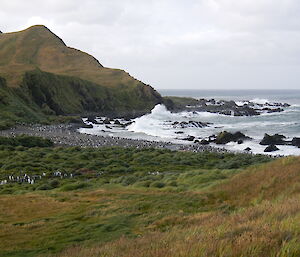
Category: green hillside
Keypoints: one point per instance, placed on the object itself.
(44, 76)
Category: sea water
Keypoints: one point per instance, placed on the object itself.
(158, 124)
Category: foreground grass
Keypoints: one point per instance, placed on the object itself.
(129, 202)
(268, 227)
(37, 223)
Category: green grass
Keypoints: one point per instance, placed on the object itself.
(115, 193)
(163, 169)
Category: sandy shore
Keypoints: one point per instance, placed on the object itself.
(66, 135)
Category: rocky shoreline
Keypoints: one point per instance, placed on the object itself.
(229, 108)
(67, 135)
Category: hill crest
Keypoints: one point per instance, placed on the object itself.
(50, 76)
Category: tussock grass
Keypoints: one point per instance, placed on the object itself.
(270, 229)
(150, 203)
(279, 178)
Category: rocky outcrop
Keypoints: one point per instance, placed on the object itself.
(204, 142)
(226, 137)
(271, 148)
(273, 140)
(189, 124)
(178, 104)
(189, 138)
(87, 126)
(296, 141)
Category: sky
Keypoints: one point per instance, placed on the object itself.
(177, 44)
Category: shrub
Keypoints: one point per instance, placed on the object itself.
(146, 183)
(158, 184)
(129, 180)
(75, 186)
(172, 183)
(26, 141)
(54, 183)
(44, 187)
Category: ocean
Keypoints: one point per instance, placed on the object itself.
(153, 126)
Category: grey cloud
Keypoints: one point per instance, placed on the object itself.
(173, 43)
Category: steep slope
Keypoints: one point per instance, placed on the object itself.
(35, 59)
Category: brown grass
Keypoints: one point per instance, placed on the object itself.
(281, 177)
(38, 47)
(269, 229)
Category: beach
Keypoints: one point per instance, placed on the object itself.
(67, 135)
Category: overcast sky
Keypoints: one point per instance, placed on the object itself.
(182, 44)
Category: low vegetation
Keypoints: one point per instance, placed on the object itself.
(146, 202)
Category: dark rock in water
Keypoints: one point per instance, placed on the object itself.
(212, 101)
(196, 141)
(273, 140)
(271, 148)
(240, 141)
(204, 142)
(190, 124)
(248, 149)
(87, 126)
(296, 141)
(128, 123)
(179, 132)
(106, 121)
(117, 122)
(108, 127)
(226, 137)
(270, 110)
(92, 119)
(225, 107)
(212, 138)
(189, 138)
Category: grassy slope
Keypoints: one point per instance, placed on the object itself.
(198, 205)
(14, 108)
(38, 47)
(43, 73)
(266, 225)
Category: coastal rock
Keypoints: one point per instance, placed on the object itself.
(271, 148)
(92, 119)
(223, 107)
(189, 138)
(117, 122)
(87, 126)
(204, 142)
(212, 138)
(270, 110)
(296, 141)
(248, 149)
(128, 123)
(189, 124)
(273, 140)
(106, 121)
(226, 137)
